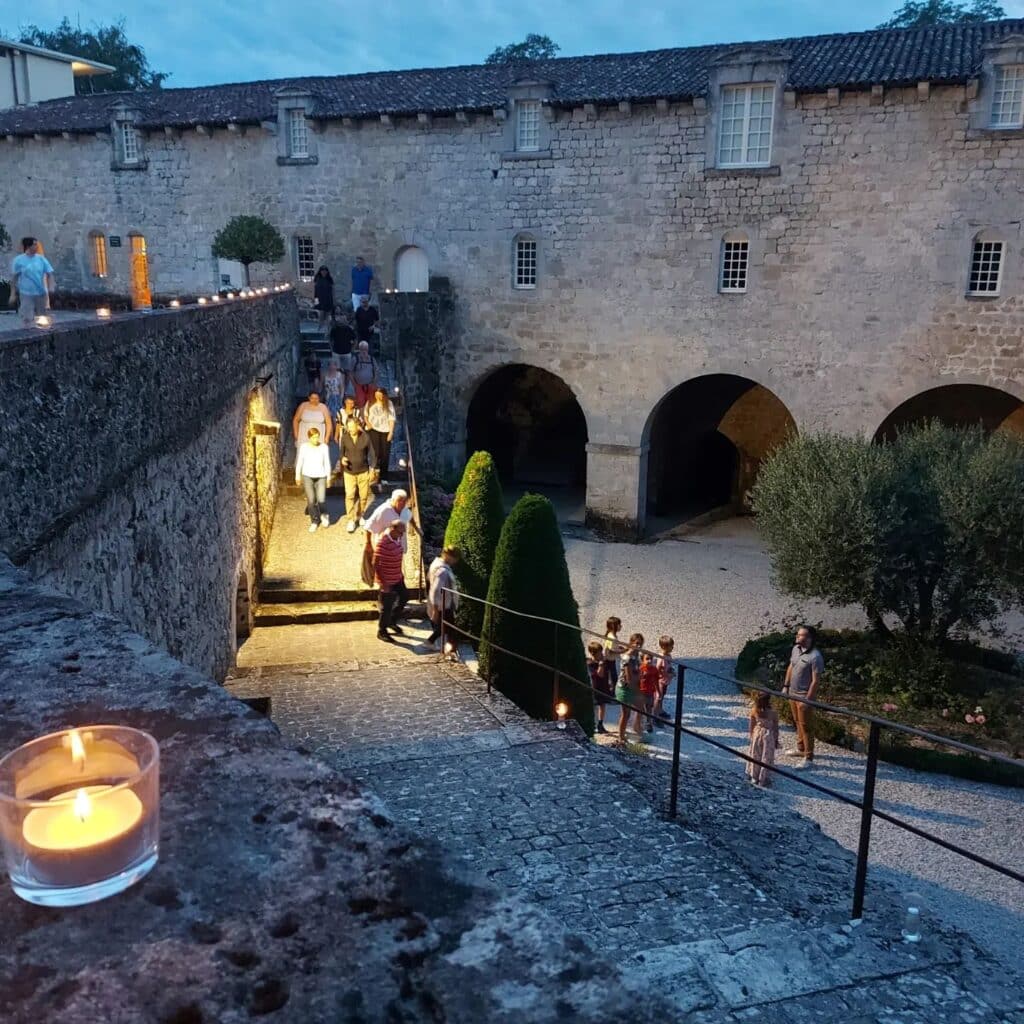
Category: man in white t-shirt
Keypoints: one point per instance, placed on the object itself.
(396, 507)
(32, 281)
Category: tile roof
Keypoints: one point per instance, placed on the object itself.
(854, 60)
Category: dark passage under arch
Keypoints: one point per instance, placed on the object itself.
(707, 438)
(957, 405)
(530, 421)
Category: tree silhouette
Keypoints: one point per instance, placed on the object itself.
(533, 47)
(918, 13)
(248, 239)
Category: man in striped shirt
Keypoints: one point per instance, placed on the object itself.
(387, 569)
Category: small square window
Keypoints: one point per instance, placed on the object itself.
(528, 125)
(526, 263)
(986, 268)
(98, 254)
(735, 257)
(1008, 96)
(305, 258)
(131, 151)
(745, 127)
(298, 133)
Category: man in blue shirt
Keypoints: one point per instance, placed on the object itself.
(33, 280)
(362, 275)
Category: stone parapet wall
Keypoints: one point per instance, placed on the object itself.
(134, 475)
(283, 890)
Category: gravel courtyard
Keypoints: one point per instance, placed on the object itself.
(712, 591)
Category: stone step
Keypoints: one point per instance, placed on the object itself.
(284, 591)
(296, 614)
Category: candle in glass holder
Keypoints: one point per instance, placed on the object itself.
(201, 300)
(103, 313)
(43, 321)
(80, 814)
(561, 711)
(175, 303)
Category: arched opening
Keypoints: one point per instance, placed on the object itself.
(532, 424)
(411, 271)
(707, 438)
(243, 609)
(957, 405)
(141, 298)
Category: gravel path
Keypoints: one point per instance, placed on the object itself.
(712, 592)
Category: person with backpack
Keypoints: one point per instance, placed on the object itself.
(363, 375)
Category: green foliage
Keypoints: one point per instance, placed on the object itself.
(533, 47)
(475, 527)
(107, 44)
(530, 575)
(918, 13)
(929, 528)
(248, 239)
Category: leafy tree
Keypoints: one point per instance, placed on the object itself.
(107, 44)
(918, 13)
(928, 529)
(248, 239)
(533, 47)
(474, 527)
(530, 575)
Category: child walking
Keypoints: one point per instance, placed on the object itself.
(649, 681)
(612, 649)
(666, 673)
(627, 690)
(597, 668)
(764, 738)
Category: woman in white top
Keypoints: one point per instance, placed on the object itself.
(312, 470)
(312, 413)
(379, 417)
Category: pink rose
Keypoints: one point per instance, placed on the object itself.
(979, 719)
(969, 719)
(889, 707)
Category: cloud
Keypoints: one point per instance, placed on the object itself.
(223, 41)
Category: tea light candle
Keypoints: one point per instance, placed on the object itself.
(175, 303)
(103, 313)
(201, 300)
(561, 710)
(79, 814)
(43, 321)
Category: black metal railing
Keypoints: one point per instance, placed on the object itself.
(866, 804)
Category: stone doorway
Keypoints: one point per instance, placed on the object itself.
(412, 272)
(531, 422)
(957, 405)
(706, 439)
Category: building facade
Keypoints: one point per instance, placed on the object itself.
(659, 264)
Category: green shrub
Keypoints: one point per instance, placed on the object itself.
(475, 527)
(928, 528)
(530, 575)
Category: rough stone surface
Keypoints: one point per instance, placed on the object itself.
(860, 247)
(132, 474)
(283, 890)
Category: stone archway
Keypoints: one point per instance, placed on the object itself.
(707, 438)
(412, 272)
(531, 422)
(957, 405)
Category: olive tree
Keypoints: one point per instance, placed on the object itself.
(927, 529)
(249, 239)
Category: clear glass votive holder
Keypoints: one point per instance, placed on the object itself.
(80, 814)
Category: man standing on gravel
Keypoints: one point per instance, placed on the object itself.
(806, 666)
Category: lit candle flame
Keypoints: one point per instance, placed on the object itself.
(448, 648)
(83, 805)
(77, 749)
(561, 709)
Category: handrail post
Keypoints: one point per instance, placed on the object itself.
(673, 796)
(554, 661)
(485, 640)
(444, 601)
(866, 813)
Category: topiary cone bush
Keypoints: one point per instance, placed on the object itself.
(474, 527)
(530, 575)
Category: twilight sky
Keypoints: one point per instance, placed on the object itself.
(228, 41)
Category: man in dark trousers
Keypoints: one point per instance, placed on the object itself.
(366, 319)
(387, 571)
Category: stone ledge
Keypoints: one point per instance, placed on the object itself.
(742, 172)
(273, 871)
(296, 161)
(513, 155)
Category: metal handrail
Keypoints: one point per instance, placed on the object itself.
(866, 804)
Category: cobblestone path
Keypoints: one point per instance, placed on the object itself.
(736, 913)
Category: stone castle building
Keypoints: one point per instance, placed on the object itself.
(637, 271)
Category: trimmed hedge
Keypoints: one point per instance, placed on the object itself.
(530, 575)
(474, 527)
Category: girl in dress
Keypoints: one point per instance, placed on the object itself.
(764, 738)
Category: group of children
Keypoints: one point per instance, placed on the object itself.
(626, 674)
(638, 681)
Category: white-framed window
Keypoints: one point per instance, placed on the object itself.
(298, 133)
(745, 128)
(735, 258)
(527, 125)
(525, 271)
(1008, 96)
(98, 254)
(131, 150)
(305, 257)
(986, 270)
